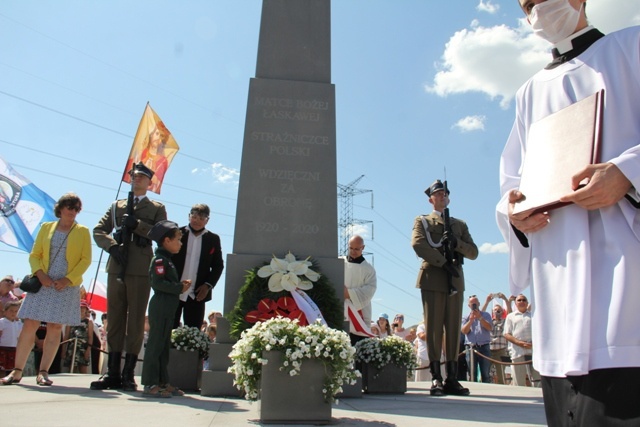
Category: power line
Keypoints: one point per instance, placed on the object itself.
(107, 169)
(125, 72)
(66, 114)
(399, 288)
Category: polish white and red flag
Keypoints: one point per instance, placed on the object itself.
(357, 323)
(97, 296)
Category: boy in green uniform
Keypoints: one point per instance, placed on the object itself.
(162, 309)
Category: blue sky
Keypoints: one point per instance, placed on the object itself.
(420, 86)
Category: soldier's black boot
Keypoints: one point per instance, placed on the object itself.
(111, 380)
(128, 372)
(451, 384)
(436, 379)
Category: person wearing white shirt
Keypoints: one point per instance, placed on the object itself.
(517, 332)
(199, 260)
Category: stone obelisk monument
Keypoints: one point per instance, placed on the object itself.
(287, 199)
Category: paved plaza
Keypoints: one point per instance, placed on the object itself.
(69, 402)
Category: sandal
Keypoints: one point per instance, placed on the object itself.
(43, 378)
(11, 378)
(175, 391)
(155, 391)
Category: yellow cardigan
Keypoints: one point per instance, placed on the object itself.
(78, 251)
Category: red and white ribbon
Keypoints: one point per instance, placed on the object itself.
(355, 318)
(307, 306)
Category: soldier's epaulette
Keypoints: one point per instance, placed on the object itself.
(159, 266)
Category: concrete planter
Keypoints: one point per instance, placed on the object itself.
(298, 399)
(185, 369)
(391, 379)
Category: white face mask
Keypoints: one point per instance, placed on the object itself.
(554, 20)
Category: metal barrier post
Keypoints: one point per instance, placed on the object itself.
(73, 358)
(472, 365)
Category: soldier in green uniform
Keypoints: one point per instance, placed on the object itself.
(127, 299)
(442, 311)
(162, 310)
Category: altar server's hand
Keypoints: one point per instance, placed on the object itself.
(606, 186)
(526, 224)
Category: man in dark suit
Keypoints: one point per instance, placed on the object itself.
(442, 309)
(127, 299)
(199, 260)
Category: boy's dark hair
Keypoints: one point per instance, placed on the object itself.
(169, 235)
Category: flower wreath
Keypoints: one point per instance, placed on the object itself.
(266, 294)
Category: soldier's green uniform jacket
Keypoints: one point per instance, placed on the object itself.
(166, 285)
(148, 212)
(432, 276)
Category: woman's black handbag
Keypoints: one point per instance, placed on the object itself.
(30, 284)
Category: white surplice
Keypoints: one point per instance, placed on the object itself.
(584, 267)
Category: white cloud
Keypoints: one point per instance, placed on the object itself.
(221, 174)
(494, 248)
(360, 229)
(608, 18)
(497, 60)
(224, 174)
(470, 123)
(487, 7)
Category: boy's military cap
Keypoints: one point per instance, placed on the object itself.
(160, 229)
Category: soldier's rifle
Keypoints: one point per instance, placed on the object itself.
(449, 253)
(126, 234)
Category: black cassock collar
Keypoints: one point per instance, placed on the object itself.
(580, 44)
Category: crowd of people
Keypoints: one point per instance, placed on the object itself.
(54, 311)
(500, 341)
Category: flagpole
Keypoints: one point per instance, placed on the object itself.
(95, 278)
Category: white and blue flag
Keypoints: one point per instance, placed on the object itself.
(23, 207)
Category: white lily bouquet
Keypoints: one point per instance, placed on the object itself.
(381, 352)
(190, 339)
(297, 343)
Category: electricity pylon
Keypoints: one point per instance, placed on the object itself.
(346, 223)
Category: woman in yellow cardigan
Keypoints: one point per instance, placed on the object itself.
(60, 256)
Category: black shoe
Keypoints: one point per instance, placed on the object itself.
(436, 388)
(129, 385)
(453, 387)
(112, 379)
(128, 372)
(107, 382)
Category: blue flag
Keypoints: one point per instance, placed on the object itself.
(23, 207)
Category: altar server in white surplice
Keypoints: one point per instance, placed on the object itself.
(360, 285)
(583, 260)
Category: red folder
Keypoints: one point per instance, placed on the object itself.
(559, 146)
